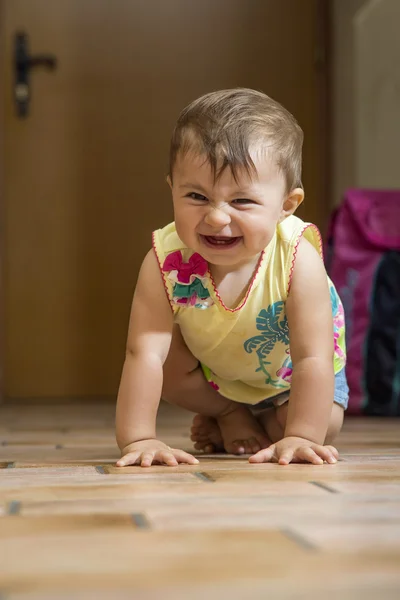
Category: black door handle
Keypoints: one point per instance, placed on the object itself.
(23, 63)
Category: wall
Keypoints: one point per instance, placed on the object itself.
(365, 94)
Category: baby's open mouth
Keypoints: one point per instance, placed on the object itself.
(220, 241)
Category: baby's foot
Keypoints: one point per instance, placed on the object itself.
(241, 432)
(206, 435)
(236, 432)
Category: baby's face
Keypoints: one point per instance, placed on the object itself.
(228, 222)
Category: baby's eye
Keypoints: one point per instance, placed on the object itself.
(196, 196)
(243, 201)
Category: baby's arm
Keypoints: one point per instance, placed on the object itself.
(149, 339)
(309, 315)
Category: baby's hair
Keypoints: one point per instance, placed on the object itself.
(224, 125)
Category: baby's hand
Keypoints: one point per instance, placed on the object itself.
(295, 449)
(147, 452)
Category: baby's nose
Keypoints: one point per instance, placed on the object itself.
(217, 217)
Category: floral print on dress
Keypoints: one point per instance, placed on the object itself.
(285, 372)
(208, 375)
(338, 321)
(273, 330)
(188, 280)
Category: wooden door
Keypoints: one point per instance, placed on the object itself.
(84, 181)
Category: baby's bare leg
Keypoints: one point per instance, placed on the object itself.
(273, 421)
(185, 385)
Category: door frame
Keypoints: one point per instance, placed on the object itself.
(323, 66)
(324, 60)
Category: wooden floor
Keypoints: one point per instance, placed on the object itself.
(73, 526)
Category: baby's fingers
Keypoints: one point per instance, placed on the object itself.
(264, 455)
(147, 459)
(333, 451)
(286, 456)
(326, 453)
(185, 457)
(166, 457)
(307, 454)
(129, 459)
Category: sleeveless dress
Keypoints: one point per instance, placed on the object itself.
(244, 351)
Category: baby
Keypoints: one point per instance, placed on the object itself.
(234, 316)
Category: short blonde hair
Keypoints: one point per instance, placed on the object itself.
(224, 124)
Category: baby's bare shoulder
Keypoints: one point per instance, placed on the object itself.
(308, 270)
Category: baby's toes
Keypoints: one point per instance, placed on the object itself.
(199, 444)
(253, 446)
(210, 449)
(248, 444)
(205, 447)
(236, 447)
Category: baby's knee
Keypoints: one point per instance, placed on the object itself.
(334, 427)
(335, 424)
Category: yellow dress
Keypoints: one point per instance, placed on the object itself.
(244, 351)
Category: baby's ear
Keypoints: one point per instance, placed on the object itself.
(169, 181)
(292, 202)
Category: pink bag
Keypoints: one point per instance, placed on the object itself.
(363, 261)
